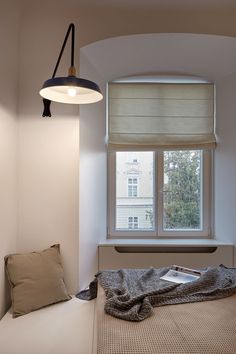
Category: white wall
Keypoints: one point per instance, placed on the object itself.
(48, 155)
(92, 191)
(225, 161)
(8, 138)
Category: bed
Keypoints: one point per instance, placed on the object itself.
(62, 328)
(68, 327)
(207, 327)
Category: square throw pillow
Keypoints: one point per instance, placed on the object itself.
(36, 280)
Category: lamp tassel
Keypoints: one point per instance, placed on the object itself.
(46, 111)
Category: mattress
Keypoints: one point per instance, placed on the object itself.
(203, 327)
(63, 328)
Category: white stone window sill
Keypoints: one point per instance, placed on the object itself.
(164, 242)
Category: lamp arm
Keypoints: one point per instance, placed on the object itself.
(46, 102)
(70, 28)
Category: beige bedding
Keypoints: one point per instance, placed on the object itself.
(202, 327)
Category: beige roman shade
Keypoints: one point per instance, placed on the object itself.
(161, 115)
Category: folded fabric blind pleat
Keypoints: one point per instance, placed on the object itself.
(161, 115)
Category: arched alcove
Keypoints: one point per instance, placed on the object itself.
(205, 55)
(208, 56)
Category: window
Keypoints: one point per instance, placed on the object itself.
(132, 187)
(182, 190)
(174, 194)
(133, 222)
(139, 199)
(169, 184)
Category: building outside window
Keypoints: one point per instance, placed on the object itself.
(139, 199)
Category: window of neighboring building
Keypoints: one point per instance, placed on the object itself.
(132, 187)
(133, 222)
(169, 189)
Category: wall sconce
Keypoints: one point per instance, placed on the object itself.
(70, 89)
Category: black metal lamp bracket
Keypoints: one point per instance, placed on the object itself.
(71, 28)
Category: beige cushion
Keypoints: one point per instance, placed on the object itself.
(36, 280)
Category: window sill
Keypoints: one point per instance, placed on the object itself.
(164, 242)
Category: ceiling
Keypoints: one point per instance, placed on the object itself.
(181, 5)
(165, 4)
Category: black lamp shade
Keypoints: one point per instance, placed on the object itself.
(71, 89)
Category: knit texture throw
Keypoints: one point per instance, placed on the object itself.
(131, 294)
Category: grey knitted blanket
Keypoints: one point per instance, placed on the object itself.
(131, 294)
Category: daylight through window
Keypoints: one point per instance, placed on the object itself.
(160, 142)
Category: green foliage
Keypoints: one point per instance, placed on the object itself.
(149, 216)
(182, 179)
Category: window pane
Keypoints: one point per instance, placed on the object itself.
(182, 190)
(133, 222)
(132, 187)
(134, 190)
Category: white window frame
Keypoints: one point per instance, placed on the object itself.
(159, 232)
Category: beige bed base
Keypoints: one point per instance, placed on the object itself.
(205, 327)
(69, 328)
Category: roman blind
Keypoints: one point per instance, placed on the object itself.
(161, 115)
